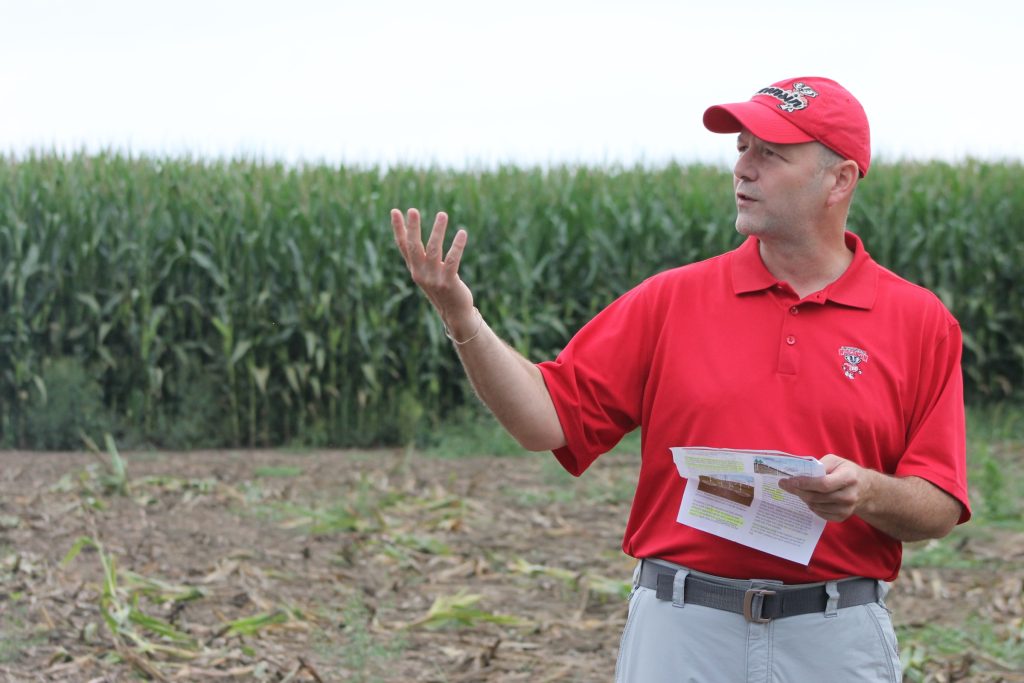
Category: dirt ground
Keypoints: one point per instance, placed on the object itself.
(364, 566)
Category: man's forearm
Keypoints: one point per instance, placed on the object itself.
(908, 508)
(509, 385)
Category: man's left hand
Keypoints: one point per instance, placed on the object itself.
(838, 494)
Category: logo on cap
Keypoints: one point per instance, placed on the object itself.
(792, 100)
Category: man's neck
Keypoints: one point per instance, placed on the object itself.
(808, 266)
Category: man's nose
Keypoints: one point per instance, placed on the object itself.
(744, 169)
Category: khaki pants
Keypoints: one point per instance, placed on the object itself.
(662, 643)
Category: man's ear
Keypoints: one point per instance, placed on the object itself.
(844, 181)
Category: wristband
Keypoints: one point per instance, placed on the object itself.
(479, 327)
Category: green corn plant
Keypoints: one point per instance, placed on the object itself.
(114, 479)
(273, 296)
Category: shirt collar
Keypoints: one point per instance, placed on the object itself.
(856, 287)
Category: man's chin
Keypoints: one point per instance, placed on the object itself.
(747, 228)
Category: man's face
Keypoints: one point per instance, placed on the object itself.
(780, 189)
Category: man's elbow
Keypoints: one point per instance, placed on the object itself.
(938, 526)
(946, 523)
(539, 442)
(536, 430)
(939, 515)
(538, 439)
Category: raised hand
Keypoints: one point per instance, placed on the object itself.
(439, 279)
(509, 384)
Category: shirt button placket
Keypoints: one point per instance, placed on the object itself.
(789, 360)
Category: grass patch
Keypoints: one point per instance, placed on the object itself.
(362, 654)
(327, 520)
(16, 634)
(995, 444)
(942, 552)
(558, 486)
(996, 422)
(278, 472)
(925, 647)
(360, 509)
(471, 431)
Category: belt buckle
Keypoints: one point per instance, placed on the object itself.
(748, 604)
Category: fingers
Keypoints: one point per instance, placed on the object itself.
(398, 228)
(424, 262)
(842, 496)
(454, 256)
(832, 513)
(835, 506)
(833, 497)
(409, 235)
(839, 474)
(824, 484)
(436, 239)
(819, 489)
(414, 235)
(831, 462)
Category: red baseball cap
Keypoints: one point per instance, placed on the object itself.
(800, 110)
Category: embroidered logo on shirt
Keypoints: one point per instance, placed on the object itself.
(854, 358)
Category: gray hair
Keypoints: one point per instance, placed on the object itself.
(828, 157)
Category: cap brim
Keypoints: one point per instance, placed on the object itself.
(755, 117)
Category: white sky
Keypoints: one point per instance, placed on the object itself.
(475, 82)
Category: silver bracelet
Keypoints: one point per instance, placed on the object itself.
(479, 327)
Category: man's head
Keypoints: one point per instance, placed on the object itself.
(798, 110)
(802, 144)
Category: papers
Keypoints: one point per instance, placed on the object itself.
(735, 494)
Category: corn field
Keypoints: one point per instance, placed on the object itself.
(185, 303)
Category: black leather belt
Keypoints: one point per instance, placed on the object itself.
(760, 604)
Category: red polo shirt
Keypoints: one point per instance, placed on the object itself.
(721, 354)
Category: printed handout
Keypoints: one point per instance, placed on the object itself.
(735, 494)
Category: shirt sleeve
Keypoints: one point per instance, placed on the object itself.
(936, 444)
(597, 382)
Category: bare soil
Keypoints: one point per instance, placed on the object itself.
(364, 566)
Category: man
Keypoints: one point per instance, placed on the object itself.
(798, 342)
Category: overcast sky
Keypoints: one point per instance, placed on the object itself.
(476, 83)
